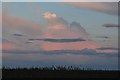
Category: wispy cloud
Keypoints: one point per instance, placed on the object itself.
(106, 37)
(16, 30)
(58, 40)
(8, 45)
(111, 25)
(16, 34)
(60, 52)
(13, 24)
(106, 48)
(104, 7)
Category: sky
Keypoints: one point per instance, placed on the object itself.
(60, 33)
(60, 0)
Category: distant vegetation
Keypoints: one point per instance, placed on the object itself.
(66, 68)
(57, 72)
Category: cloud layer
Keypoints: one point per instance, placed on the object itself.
(104, 7)
(58, 40)
(60, 28)
(16, 34)
(61, 32)
(14, 24)
(106, 37)
(64, 35)
(59, 35)
(60, 52)
(111, 25)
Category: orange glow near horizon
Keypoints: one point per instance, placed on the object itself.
(107, 51)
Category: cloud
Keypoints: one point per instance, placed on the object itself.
(58, 35)
(17, 30)
(60, 52)
(16, 34)
(106, 37)
(17, 45)
(28, 42)
(111, 25)
(15, 24)
(68, 36)
(8, 45)
(48, 46)
(60, 28)
(78, 30)
(107, 50)
(49, 15)
(104, 7)
(55, 23)
(58, 40)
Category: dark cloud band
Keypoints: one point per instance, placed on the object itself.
(18, 34)
(111, 25)
(108, 48)
(58, 40)
(60, 52)
(106, 37)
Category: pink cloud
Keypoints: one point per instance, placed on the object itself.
(10, 46)
(107, 51)
(19, 24)
(59, 28)
(48, 15)
(105, 7)
(68, 46)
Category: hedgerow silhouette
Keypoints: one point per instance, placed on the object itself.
(57, 72)
(53, 68)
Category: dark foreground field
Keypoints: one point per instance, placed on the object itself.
(58, 73)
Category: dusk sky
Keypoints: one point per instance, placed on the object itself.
(60, 33)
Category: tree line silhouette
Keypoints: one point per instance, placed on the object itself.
(57, 72)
